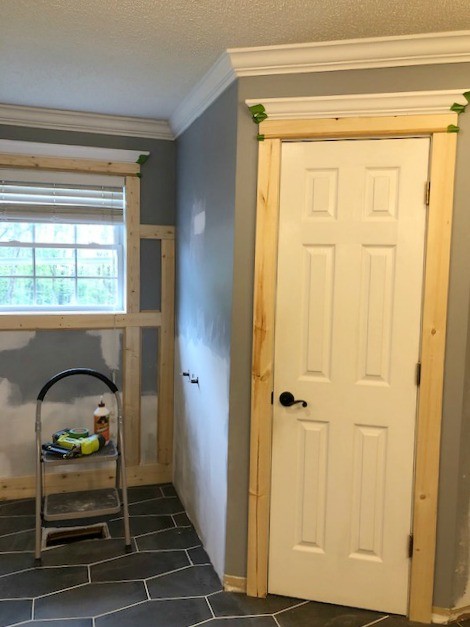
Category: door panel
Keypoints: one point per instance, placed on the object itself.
(350, 268)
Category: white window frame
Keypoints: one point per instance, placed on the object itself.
(120, 229)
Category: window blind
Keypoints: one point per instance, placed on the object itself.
(58, 202)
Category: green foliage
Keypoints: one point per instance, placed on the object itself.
(142, 159)
(453, 129)
(57, 276)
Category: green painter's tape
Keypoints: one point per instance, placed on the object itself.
(142, 159)
(258, 113)
(458, 108)
(453, 129)
(466, 95)
(260, 138)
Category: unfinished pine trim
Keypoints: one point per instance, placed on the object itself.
(131, 393)
(445, 615)
(24, 487)
(428, 436)
(357, 127)
(269, 169)
(38, 322)
(133, 244)
(61, 164)
(166, 360)
(436, 283)
(235, 584)
(150, 231)
(131, 322)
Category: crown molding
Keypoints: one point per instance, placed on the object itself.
(325, 56)
(353, 54)
(203, 94)
(361, 105)
(84, 122)
(67, 151)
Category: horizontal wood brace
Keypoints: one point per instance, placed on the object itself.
(35, 322)
(150, 231)
(357, 127)
(24, 487)
(60, 164)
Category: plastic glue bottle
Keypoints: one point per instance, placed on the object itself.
(101, 420)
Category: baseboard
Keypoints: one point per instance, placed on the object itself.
(445, 615)
(24, 487)
(234, 584)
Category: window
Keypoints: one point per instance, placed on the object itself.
(61, 245)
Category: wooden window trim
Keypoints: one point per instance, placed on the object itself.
(436, 282)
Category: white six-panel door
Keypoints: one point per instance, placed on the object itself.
(350, 270)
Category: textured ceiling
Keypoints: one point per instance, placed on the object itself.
(141, 57)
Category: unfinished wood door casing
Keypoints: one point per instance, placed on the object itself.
(433, 336)
(132, 322)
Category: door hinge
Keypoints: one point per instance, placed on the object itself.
(418, 373)
(427, 193)
(410, 545)
(272, 398)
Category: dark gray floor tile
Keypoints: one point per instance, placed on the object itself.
(139, 566)
(15, 523)
(21, 541)
(143, 493)
(13, 562)
(85, 552)
(325, 615)
(182, 613)
(90, 600)
(190, 582)
(74, 622)
(168, 490)
(25, 507)
(140, 525)
(198, 556)
(233, 604)
(12, 612)
(182, 520)
(176, 538)
(247, 621)
(39, 581)
(401, 621)
(160, 507)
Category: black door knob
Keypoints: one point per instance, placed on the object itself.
(287, 399)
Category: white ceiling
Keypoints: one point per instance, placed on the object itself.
(142, 57)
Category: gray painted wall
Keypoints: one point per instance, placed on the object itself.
(206, 202)
(453, 525)
(27, 360)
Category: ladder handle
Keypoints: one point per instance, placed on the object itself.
(68, 373)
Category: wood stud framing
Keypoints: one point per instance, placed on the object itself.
(131, 322)
(166, 361)
(436, 282)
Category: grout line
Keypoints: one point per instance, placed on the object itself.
(24, 570)
(147, 590)
(120, 609)
(89, 572)
(375, 622)
(276, 621)
(170, 572)
(210, 607)
(49, 594)
(13, 533)
(189, 557)
(32, 609)
(292, 607)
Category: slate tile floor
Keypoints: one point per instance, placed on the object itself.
(166, 581)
